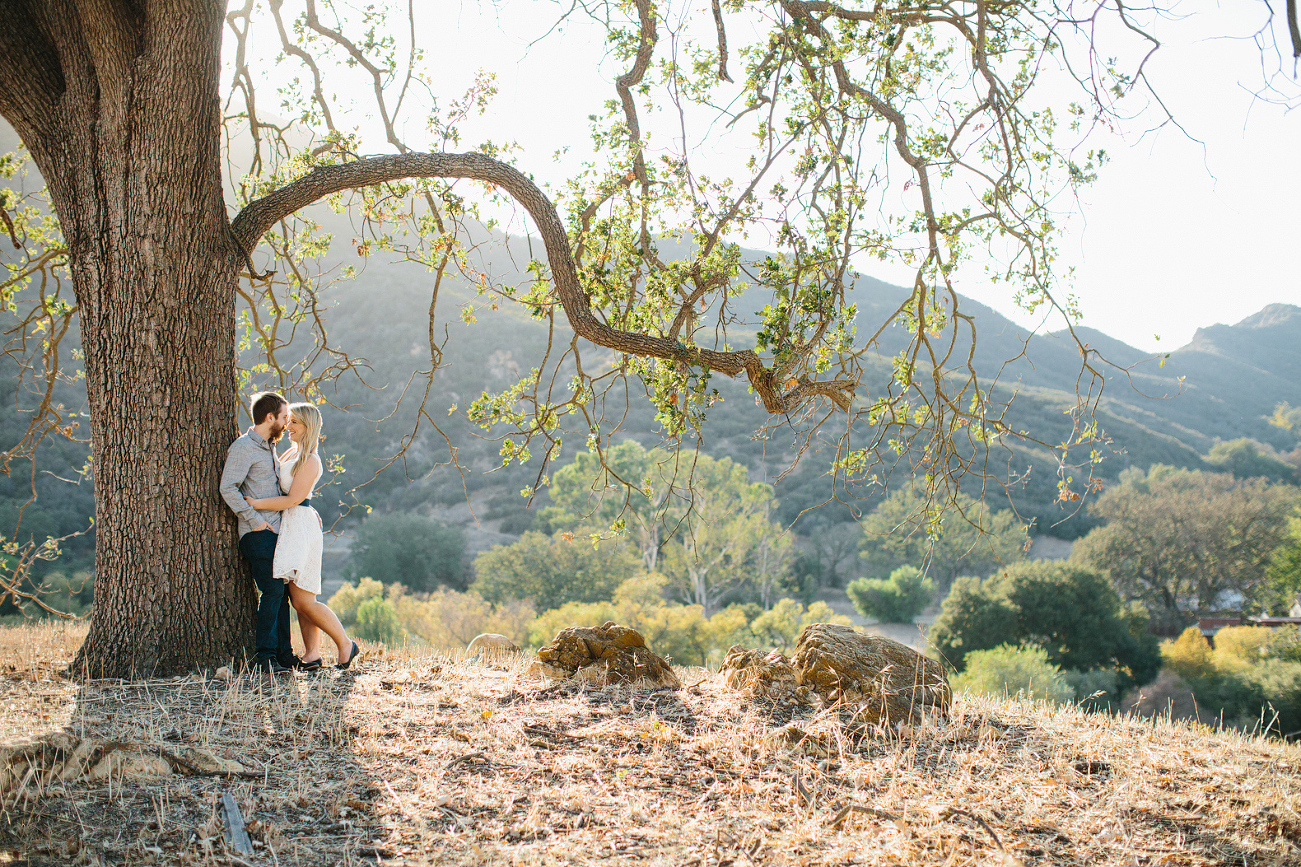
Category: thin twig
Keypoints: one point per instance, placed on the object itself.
(954, 811)
(469, 757)
(858, 808)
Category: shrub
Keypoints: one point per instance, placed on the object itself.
(1279, 686)
(1266, 696)
(348, 598)
(1096, 689)
(680, 633)
(1007, 670)
(683, 635)
(446, 619)
(410, 549)
(544, 627)
(1241, 647)
(1071, 611)
(377, 620)
(1285, 643)
(1251, 680)
(780, 626)
(449, 620)
(1188, 656)
(897, 599)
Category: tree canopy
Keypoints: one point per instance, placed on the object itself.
(1070, 611)
(1284, 570)
(1185, 541)
(552, 571)
(968, 537)
(699, 520)
(1248, 459)
(413, 550)
(725, 541)
(628, 488)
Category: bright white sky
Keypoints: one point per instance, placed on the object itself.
(1182, 230)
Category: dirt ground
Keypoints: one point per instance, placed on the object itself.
(417, 758)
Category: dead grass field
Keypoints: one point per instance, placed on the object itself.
(420, 759)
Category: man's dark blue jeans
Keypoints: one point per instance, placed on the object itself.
(272, 626)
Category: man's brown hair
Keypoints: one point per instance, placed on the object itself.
(266, 403)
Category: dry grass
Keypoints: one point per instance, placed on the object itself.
(420, 759)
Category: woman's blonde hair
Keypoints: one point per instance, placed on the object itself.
(310, 417)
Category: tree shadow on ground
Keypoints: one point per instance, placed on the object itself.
(665, 703)
(139, 771)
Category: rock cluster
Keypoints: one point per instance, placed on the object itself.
(605, 655)
(755, 674)
(892, 683)
(888, 682)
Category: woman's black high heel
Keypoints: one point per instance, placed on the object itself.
(351, 656)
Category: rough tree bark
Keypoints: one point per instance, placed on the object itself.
(117, 104)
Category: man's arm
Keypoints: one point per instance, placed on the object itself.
(238, 462)
(299, 491)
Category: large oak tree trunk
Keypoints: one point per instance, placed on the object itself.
(130, 149)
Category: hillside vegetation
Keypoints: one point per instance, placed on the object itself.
(1224, 385)
(421, 759)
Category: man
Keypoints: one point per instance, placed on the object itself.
(251, 471)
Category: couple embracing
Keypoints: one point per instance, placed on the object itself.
(280, 533)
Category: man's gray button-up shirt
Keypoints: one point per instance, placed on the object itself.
(250, 471)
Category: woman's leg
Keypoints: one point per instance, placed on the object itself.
(321, 616)
(306, 623)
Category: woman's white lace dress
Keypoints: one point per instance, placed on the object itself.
(298, 547)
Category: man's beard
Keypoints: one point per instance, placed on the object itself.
(276, 433)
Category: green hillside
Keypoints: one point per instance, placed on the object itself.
(1224, 385)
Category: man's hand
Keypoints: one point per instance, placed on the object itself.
(263, 526)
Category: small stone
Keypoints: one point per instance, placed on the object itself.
(539, 670)
(796, 741)
(129, 764)
(206, 761)
(490, 645)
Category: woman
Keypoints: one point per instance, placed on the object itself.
(298, 547)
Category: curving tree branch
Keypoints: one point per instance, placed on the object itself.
(260, 215)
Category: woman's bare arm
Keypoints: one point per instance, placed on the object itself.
(298, 491)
